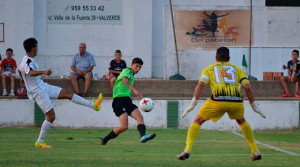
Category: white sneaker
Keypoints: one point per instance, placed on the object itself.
(4, 93)
(12, 94)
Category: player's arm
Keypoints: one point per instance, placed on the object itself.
(126, 82)
(251, 99)
(36, 73)
(22, 84)
(197, 93)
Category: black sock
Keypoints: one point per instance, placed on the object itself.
(142, 129)
(111, 135)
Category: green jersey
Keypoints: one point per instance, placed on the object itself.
(120, 89)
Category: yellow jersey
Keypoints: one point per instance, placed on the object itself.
(224, 79)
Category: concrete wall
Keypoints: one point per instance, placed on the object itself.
(72, 115)
(280, 115)
(59, 42)
(275, 35)
(146, 32)
(18, 18)
(15, 112)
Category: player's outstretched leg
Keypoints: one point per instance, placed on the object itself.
(248, 133)
(191, 136)
(96, 104)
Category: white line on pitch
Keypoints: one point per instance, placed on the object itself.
(269, 146)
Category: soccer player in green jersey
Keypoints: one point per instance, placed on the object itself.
(122, 104)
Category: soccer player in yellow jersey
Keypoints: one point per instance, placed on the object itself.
(224, 79)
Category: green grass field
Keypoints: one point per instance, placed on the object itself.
(212, 148)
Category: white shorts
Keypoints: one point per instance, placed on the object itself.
(8, 72)
(43, 98)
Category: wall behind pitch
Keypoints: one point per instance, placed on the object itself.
(273, 40)
(14, 112)
(59, 42)
(279, 115)
(72, 115)
(18, 25)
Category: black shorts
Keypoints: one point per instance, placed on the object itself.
(123, 105)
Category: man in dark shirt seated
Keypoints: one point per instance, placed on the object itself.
(116, 67)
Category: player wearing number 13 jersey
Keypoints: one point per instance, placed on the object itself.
(224, 79)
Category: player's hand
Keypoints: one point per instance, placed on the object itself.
(9, 75)
(187, 110)
(138, 94)
(48, 72)
(22, 84)
(256, 109)
(190, 108)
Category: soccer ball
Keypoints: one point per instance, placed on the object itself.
(22, 92)
(146, 104)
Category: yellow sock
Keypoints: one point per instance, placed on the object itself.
(247, 131)
(191, 136)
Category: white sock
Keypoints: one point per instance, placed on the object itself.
(11, 90)
(4, 90)
(79, 100)
(44, 130)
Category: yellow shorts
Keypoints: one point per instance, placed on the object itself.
(214, 110)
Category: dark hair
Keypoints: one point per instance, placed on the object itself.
(29, 44)
(9, 50)
(296, 51)
(137, 61)
(223, 54)
(117, 51)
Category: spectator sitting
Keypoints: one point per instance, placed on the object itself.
(8, 69)
(116, 67)
(290, 68)
(82, 66)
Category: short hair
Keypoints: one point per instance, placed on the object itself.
(29, 44)
(223, 54)
(118, 51)
(83, 44)
(137, 61)
(9, 50)
(296, 51)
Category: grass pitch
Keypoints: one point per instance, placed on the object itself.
(81, 147)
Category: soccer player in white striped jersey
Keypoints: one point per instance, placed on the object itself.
(42, 92)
